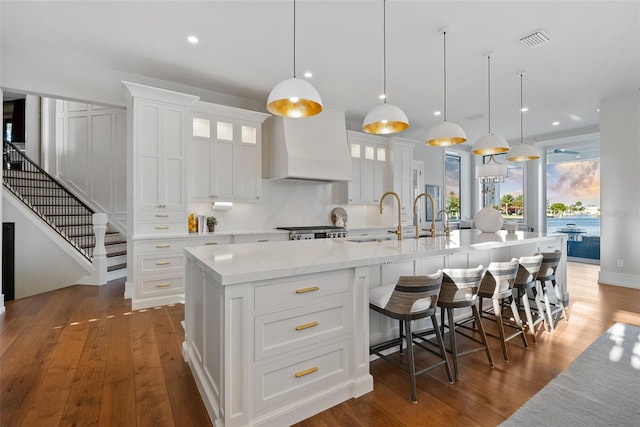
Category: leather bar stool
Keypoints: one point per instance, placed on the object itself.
(526, 281)
(547, 273)
(460, 289)
(411, 298)
(497, 284)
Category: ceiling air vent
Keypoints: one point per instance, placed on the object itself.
(535, 39)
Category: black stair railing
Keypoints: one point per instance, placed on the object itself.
(49, 199)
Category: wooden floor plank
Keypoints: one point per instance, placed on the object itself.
(152, 398)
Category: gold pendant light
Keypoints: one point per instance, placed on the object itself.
(294, 97)
(386, 118)
(446, 133)
(490, 143)
(522, 152)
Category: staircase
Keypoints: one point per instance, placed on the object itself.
(71, 218)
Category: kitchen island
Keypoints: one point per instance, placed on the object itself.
(279, 331)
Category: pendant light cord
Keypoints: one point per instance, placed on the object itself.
(384, 49)
(294, 39)
(444, 38)
(489, 87)
(521, 112)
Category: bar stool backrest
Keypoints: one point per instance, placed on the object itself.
(550, 261)
(460, 284)
(412, 289)
(528, 269)
(499, 278)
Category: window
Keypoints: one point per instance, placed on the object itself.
(452, 185)
(508, 196)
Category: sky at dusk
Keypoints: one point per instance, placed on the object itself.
(574, 181)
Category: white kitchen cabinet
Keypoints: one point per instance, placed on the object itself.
(369, 157)
(225, 153)
(157, 204)
(401, 165)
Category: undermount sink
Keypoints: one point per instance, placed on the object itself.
(370, 239)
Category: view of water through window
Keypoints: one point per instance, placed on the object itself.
(573, 196)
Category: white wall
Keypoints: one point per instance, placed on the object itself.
(32, 127)
(619, 189)
(40, 265)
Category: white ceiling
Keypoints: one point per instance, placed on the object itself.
(246, 48)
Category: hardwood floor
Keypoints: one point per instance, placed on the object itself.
(80, 356)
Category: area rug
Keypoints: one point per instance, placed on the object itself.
(600, 388)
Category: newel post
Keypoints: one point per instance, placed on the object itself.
(100, 252)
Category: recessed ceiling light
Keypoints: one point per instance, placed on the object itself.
(597, 110)
(308, 74)
(437, 113)
(192, 39)
(555, 123)
(524, 109)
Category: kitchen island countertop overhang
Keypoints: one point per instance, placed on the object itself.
(231, 264)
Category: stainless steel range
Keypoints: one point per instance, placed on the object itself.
(315, 232)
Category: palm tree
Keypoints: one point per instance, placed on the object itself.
(506, 201)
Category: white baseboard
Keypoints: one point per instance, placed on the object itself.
(619, 279)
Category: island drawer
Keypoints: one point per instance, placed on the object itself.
(164, 285)
(298, 377)
(288, 330)
(303, 290)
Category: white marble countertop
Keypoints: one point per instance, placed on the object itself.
(231, 264)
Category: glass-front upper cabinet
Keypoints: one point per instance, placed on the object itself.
(225, 154)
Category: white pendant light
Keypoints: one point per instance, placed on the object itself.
(522, 152)
(294, 97)
(446, 133)
(386, 118)
(490, 143)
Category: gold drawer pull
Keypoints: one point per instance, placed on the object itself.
(306, 372)
(162, 216)
(211, 243)
(163, 262)
(263, 240)
(305, 290)
(162, 228)
(163, 246)
(163, 285)
(306, 326)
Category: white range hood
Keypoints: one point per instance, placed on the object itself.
(312, 148)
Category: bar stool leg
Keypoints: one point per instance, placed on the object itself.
(400, 323)
(541, 310)
(527, 311)
(560, 301)
(547, 305)
(412, 366)
(483, 336)
(516, 316)
(497, 307)
(454, 344)
(443, 350)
